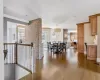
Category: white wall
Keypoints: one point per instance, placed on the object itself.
(48, 33)
(5, 26)
(87, 34)
(88, 38)
(1, 42)
(33, 34)
(11, 30)
(98, 40)
(58, 36)
(74, 30)
(71, 31)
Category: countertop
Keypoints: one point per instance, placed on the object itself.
(92, 44)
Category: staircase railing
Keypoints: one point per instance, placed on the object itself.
(10, 52)
(21, 54)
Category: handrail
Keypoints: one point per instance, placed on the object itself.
(12, 52)
(19, 44)
(8, 43)
(25, 44)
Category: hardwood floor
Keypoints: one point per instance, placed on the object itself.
(70, 66)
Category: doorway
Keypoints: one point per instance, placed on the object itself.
(15, 32)
(45, 37)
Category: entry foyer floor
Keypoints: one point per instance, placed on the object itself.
(70, 66)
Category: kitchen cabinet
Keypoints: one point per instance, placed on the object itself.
(93, 23)
(91, 52)
(80, 37)
(81, 45)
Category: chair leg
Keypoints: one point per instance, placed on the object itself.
(62, 55)
(51, 50)
(53, 54)
(65, 49)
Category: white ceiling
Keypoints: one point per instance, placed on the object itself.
(55, 13)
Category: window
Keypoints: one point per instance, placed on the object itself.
(21, 34)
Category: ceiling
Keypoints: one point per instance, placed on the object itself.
(54, 13)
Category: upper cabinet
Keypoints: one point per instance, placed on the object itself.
(93, 23)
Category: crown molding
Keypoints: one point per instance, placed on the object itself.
(12, 17)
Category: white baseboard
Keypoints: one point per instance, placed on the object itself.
(98, 59)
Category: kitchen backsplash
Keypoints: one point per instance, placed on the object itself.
(95, 39)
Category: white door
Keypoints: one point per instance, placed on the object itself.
(11, 32)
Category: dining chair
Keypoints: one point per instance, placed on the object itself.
(65, 45)
(48, 45)
(55, 47)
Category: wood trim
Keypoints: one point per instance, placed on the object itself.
(24, 68)
(80, 24)
(25, 44)
(16, 52)
(92, 15)
(18, 44)
(95, 15)
(83, 23)
(86, 22)
(22, 78)
(35, 19)
(9, 43)
(98, 14)
(9, 63)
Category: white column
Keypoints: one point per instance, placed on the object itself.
(40, 40)
(1, 42)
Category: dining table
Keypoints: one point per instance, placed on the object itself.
(58, 47)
